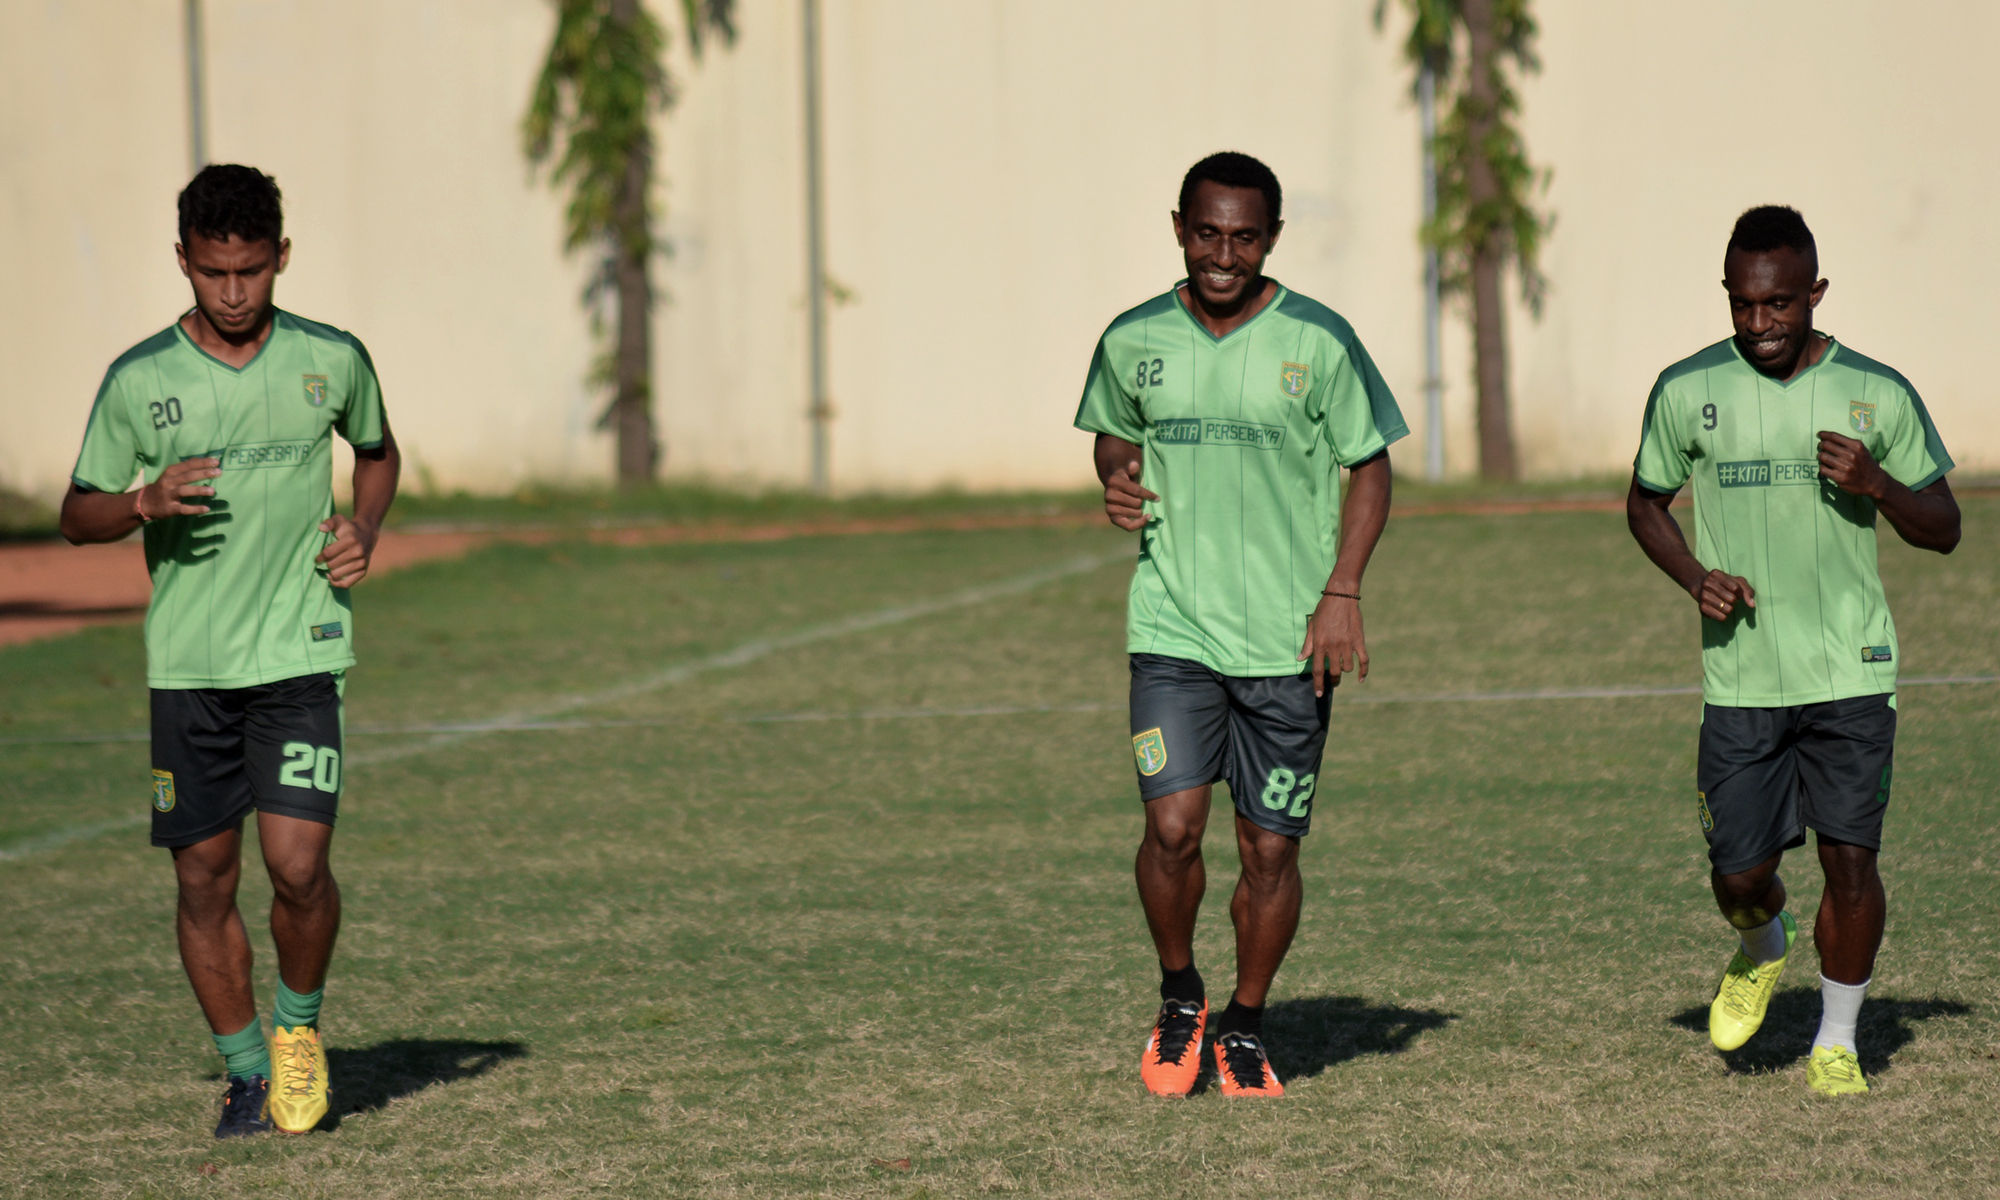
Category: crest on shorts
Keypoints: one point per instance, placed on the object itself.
(1292, 377)
(1151, 751)
(163, 790)
(1701, 807)
(1860, 417)
(316, 390)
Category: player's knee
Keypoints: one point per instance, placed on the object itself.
(302, 881)
(1269, 858)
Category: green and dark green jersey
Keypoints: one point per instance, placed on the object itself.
(1243, 437)
(1821, 628)
(237, 598)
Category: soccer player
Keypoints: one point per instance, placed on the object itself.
(227, 418)
(1795, 443)
(1236, 401)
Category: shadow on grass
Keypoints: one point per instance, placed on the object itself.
(369, 1078)
(1785, 1039)
(1310, 1034)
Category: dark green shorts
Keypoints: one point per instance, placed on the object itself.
(1768, 774)
(219, 752)
(1263, 737)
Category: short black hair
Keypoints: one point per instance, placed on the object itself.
(227, 199)
(1231, 169)
(1773, 227)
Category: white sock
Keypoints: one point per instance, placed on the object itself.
(1766, 943)
(1839, 1009)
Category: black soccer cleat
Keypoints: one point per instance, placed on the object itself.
(246, 1108)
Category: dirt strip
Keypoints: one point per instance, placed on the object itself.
(49, 588)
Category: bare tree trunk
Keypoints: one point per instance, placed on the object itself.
(1496, 436)
(632, 407)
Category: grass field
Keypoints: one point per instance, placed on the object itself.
(760, 908)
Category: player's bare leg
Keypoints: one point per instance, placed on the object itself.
(1265, 908)
(1848, 930)
(215, 950)
(1171, 875)
(305, 919)
(305, 900)
(1172, 879)
(1265, 911)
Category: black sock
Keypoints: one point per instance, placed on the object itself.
(1240, 1018)
(1184, 984)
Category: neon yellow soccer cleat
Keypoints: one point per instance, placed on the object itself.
(1834, 1071)
(298, 1079)
(1746, 992)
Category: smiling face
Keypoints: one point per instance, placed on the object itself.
(1225, 234)
(233, 280)
(1772, 294)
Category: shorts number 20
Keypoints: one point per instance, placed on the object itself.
(1278, 792)
(309, 766)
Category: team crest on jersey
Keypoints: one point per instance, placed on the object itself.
(1701, 809)
(1292, 377)
(1861, 417)
(163, 790)
(316, 390)
(1151, 751)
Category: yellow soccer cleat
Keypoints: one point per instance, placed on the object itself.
(298, 1079)
(1746, 993)
(1834, 1071)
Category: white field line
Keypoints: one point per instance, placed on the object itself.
(541, 715)
(496, 725)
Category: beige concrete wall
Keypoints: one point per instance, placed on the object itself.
(998, 182)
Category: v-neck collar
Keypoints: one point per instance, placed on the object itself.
(181, 332)
(1276, 299)
(1832, 346)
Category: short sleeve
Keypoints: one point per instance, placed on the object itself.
(110, 455)
(1107, 407)
(361, 420)
(1912, 452)
(1356, 409)
(1664, 463)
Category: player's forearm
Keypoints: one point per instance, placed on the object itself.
(1659, 535)
(97, 516)
(1927, 520)
(375, 477)
(1112, 454)
(1362, 519)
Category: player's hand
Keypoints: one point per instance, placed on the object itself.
(346, 558)
(1124, 498)
(1334, 642)
(185, 480)
(1719, 594)
(1850, 466)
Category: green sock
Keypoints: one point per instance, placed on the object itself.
(244, 1051)
(294, 1011)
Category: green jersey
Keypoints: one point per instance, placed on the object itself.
(237, 598)
(1821, 628)
(1243, 439)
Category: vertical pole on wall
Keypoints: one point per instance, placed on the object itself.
(197, 108)
(1433, 355)
(820, 411)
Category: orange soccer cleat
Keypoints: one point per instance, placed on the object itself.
(1244, 1068)
(1173, 1054)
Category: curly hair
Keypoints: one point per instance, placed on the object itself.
(1231, 169)
(227, 199)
